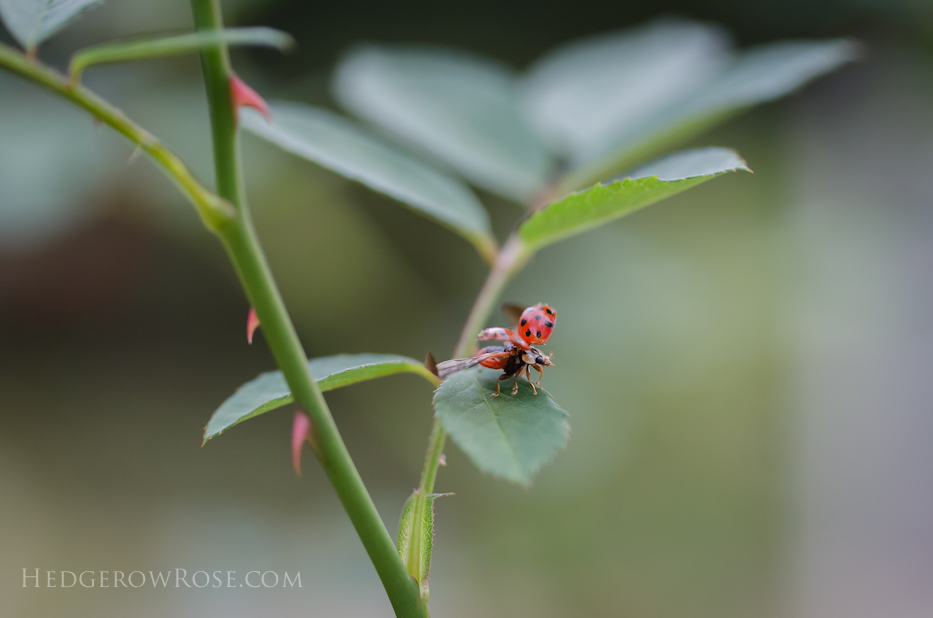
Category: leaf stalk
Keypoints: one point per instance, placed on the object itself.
(508, 261)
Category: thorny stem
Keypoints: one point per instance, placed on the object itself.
(246, 253)
(214, 210)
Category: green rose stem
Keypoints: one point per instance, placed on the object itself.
(244, 249)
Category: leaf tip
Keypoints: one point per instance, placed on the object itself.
(244, 96)
(252, 323)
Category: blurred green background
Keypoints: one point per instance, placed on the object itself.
(747, 366)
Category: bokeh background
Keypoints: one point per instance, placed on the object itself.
(747, 365)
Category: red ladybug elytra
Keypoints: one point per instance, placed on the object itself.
(537, 324)
(517, 356)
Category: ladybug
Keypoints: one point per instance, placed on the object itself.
(518, 355)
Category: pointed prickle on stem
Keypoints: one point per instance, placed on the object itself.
(430, 364)
(252, 323)
(244, 96)
(301, 429)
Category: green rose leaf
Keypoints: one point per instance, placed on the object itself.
(269, 391)
(337, 144)
(589, 88)
(601, 203)
(461, 108)
(416, 537)
(510, 436)
(753, 77)
(33, 21)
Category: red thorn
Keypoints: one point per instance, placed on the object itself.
(244, 96)
(252, 323)
(300, 432)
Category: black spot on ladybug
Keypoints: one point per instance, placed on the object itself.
(538, 334)
(538, 317)
(528, 333)
(549, 324)
(524, 322)
(549, 312)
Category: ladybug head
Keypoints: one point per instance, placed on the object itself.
(537, 323)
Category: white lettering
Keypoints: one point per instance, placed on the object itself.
(141, 574)
(213, 579)
(36, 576)
(194, 579)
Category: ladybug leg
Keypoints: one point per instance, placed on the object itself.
(528, 375)
(515, 384)
(502, 377)
(541, 371)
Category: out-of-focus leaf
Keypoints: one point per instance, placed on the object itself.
(510, 436)
(331, 141)
(580, 91)
(416, 537)
(54, 164)
(756, 76)
(142, 49)
(459, 107)
(32, 21)
(601, 203)
(270, 391)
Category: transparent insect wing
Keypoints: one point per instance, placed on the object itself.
(454, 365)
(537, 324)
